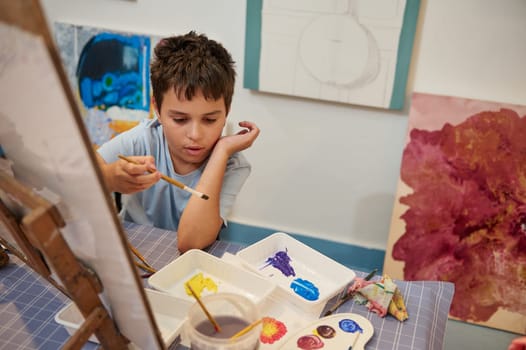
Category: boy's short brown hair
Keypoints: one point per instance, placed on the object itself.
(190, 63)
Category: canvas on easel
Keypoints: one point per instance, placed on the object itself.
(42, 133)
(34, 224)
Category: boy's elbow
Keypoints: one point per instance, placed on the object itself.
(184, 245)
(191, 237)
(187, 242)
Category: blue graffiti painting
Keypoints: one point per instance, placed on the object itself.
(113, 70)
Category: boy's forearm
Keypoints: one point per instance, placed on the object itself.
(201, 221)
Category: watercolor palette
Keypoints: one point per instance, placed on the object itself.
(337, 332)
(169, 313)
(280, 322)
(208, 275)
(303, 275)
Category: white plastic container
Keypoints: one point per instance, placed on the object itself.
(169, 313)
(327, 275)
(71, 318)
(227, 277)
(224, 307)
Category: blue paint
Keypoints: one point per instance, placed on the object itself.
(350, 326)
(305, 289)
(281, 261)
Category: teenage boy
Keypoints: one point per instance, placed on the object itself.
(192, 80)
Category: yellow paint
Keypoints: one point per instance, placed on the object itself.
(199, 283)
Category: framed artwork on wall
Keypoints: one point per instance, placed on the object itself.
(110, 73)
(355, 52)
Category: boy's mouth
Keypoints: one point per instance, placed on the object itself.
(194, 151)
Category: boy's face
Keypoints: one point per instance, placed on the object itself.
(191, 128)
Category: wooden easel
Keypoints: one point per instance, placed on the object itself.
(34, 224)
(35, 228)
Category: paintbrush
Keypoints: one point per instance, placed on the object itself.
(348, 295)
(246, 329)
(170, 180)
(146, 266)
(355, 340)
(216, 326)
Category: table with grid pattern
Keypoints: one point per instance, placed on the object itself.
(28, 303)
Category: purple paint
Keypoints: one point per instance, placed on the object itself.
(281, 261)
(229, 325)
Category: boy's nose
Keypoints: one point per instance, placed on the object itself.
(194, 131)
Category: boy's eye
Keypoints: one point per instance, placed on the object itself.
(210, 120)
(179, 120)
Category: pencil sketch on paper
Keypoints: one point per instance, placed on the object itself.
(345, 58)
(460, 210)
(110, 73)
(341, 50)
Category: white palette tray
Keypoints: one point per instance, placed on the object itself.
(327, 276)
(227, 277)
(169, 313)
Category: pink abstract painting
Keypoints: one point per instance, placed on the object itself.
(460, 209)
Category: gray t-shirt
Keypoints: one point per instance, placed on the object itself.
(162, 204)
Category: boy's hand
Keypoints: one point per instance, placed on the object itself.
(240, 141)
(126, 177)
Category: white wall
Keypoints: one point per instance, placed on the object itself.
(324, 169)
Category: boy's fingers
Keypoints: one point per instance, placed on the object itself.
(249, 125)
(148, 161)
(150, 178)
(137, 169)
(140, 182)
(134, 170)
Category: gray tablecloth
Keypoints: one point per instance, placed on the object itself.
(28, 303)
